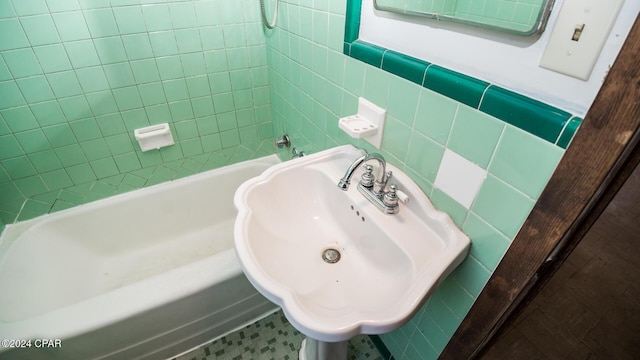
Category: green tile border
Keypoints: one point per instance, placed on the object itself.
(462, 88)
(352, 24)
(542, 120)
(569, 131)
(369, 53)
(530, 115)
(405, 66)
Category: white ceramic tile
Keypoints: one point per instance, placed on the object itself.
(459, 178)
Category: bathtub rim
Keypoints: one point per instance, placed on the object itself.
(12, 231)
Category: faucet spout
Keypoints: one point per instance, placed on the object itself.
(344, 183)
(372, 187)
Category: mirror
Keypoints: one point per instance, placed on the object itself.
(516, 17)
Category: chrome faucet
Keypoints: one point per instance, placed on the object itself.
(369, 186)
(346, 179)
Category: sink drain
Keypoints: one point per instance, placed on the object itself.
(331, 256)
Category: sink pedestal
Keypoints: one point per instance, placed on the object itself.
(313, 349)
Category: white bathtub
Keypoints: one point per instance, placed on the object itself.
(143, 275)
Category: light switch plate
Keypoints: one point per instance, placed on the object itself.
(576, 58)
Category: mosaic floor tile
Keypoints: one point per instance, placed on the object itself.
(272, 338)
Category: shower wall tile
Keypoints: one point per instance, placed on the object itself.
(6, 10)
(59, 6)
(11, 95)
(19, 167)
(402, 100)
(18, 39)
(157, 17)
(82, 53)
(5, 74)
(110, 50)
(509, 213)
(22, 62)
(489, 244)
(424, 157)
(474, 135)
(35, 89)
(64, 84)
(19, 119)
(525, 162)
(77, 77)
(101, 23)
(40, 30)
(434, 115)
(444, 202)
(34, 7)
(48, 113)
(92, 79)
(129, 19)
(73, 108)
(376, 86)
(33, 141)
(71, 26)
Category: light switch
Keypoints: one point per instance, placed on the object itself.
(579, 35)
(577, 32)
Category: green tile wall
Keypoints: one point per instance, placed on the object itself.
(313, 84)
(77, 77)
(545, 121)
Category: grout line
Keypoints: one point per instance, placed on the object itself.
(495, 149)
(453, 123)
(382, 59)
(564, 128)
(424, 76)
(24, 203)
(482, 98)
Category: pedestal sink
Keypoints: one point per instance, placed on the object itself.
(336, 264)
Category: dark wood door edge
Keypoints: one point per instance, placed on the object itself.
(610, 188)
(583, 182)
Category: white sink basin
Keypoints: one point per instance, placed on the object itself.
(389, 264)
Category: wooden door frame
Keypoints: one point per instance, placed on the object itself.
(602, 155)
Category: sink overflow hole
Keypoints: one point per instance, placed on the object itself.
(357, 213)
(331, 256)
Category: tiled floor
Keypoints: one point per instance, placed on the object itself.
(271, 338)
(590, 309)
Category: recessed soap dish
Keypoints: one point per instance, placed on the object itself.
(154, 137)
(357, 126)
